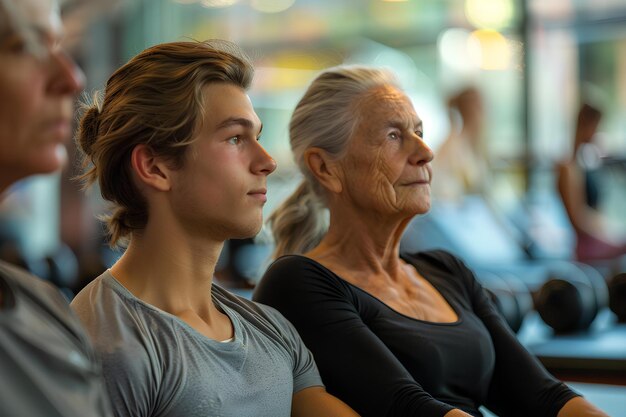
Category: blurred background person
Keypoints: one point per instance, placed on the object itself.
(461, 165)
(581, 192)
(47, 365)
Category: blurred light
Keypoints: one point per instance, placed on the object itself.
(276, 78)
(489, 14)
(271, 6)
(454, 51)
(394, 1)
(218, 3)
(490, 49)
(186, 1)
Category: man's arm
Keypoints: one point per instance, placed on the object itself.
(315, 402)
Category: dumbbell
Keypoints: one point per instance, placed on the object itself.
(617, 296)
(510, 296)
(571, 298)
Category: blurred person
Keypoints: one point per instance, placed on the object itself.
(47, 366)
(230, 275)
(579, 190)
(461, 166)
(411, 335)
(174, 146)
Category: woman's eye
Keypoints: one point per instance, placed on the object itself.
(394, 136)
(14, 45)
(420, 133)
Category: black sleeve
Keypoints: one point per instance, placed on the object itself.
(354, 363)
(520, 385)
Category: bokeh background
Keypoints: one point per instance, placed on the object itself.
(533, 61)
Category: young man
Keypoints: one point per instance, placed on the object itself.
(47, 367)
(175, 147)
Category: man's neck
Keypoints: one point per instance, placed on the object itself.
(169, 270)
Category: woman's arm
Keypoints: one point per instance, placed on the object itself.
(579, 407)
(520, 385)
(457, 413)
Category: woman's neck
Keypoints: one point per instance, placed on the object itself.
(364, 246)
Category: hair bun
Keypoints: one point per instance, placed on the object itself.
(88, 129)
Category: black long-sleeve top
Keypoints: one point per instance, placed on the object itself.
(383, 363)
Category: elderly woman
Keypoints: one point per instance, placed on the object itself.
(392, 336)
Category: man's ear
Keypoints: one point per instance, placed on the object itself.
(149, 169)
(324, 168)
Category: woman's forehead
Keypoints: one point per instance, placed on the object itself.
(30, 18)
(388, 103)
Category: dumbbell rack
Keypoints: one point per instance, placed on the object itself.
(571, 330)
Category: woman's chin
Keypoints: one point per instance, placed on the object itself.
(51, 160)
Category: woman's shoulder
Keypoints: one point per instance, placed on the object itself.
(437, 258)
(298, 270)
(298, 263)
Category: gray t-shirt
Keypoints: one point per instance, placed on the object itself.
(157, 365)
(47, 365)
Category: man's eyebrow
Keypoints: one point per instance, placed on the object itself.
(238, 121)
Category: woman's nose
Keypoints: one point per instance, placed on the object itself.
(66, 77)
(421, 154)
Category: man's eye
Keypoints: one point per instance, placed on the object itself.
(234, 140)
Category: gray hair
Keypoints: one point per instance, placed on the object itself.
(14, 20)
(325, 118)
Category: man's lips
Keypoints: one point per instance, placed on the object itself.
(259, 193)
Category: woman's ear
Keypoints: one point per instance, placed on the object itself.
(324, 168)
(149, 169)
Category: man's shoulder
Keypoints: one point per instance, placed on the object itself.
(263, 317)
(113, 317)
(244, 306)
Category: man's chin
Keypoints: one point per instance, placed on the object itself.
(248, 231)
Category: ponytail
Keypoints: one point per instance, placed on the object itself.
(299, 223)
(325, 118)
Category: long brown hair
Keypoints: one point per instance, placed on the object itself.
(154, 99)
